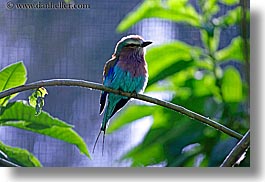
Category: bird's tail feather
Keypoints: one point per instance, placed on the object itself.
(107, 115)
(104, 133)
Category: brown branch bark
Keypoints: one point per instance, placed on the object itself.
(96, 86)
(237, 151)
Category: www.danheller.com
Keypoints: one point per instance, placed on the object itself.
(50, 5)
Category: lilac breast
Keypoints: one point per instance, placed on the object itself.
(133, 62)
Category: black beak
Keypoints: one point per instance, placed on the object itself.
(144, 44)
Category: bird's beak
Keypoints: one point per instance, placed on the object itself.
(144, 44)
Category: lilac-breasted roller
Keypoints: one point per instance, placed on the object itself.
(125, 71)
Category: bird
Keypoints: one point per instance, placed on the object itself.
(125, 71)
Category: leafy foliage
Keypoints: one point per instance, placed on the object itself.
(177, 11)
(12, 76)
(31, 118)
(22, 116)
(232, 85)
(131, 115)
(232, 52)
(171, 60)
(230, 2)
(197, 78)
(19, 156)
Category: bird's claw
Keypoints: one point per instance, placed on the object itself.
(134, 94)
(120, 92)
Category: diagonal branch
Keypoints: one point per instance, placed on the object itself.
(96, 86)
(237, 151)
(6, 163)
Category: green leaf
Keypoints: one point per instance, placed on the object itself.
(205, 64)
(21, 115)
(230, 2)
(150, 151)
(170, 70)
(150, 156)
(20, 111)
(168, 59)
(162, 142)
(129, 115)
(234, 51)
(209, 8)
(20, 156)
(211, 39)
(231, 18)
(62, 133)
(12, 76)
(232, 85)
(173, 83)
(205, 86)
(169, 133)
(173, 10)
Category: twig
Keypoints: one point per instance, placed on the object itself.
(92, 85)
(237, 151)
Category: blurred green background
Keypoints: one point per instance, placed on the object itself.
(208, 79)
(199, 60)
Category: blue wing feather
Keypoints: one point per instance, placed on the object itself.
(107, 77)
(103, 98)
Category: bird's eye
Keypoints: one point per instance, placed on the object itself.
(131, 45)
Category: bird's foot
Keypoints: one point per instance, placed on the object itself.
(134, 94)
(120, 91)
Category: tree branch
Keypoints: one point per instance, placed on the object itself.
(6, 163)
(237, 151)
(96, 86)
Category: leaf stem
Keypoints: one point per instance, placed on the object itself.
(97, 86)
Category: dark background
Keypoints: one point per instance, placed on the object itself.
(76, 44)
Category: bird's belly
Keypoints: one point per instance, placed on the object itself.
(127, 81)
(130, 83)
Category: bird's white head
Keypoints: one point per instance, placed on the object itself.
(131, 42)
